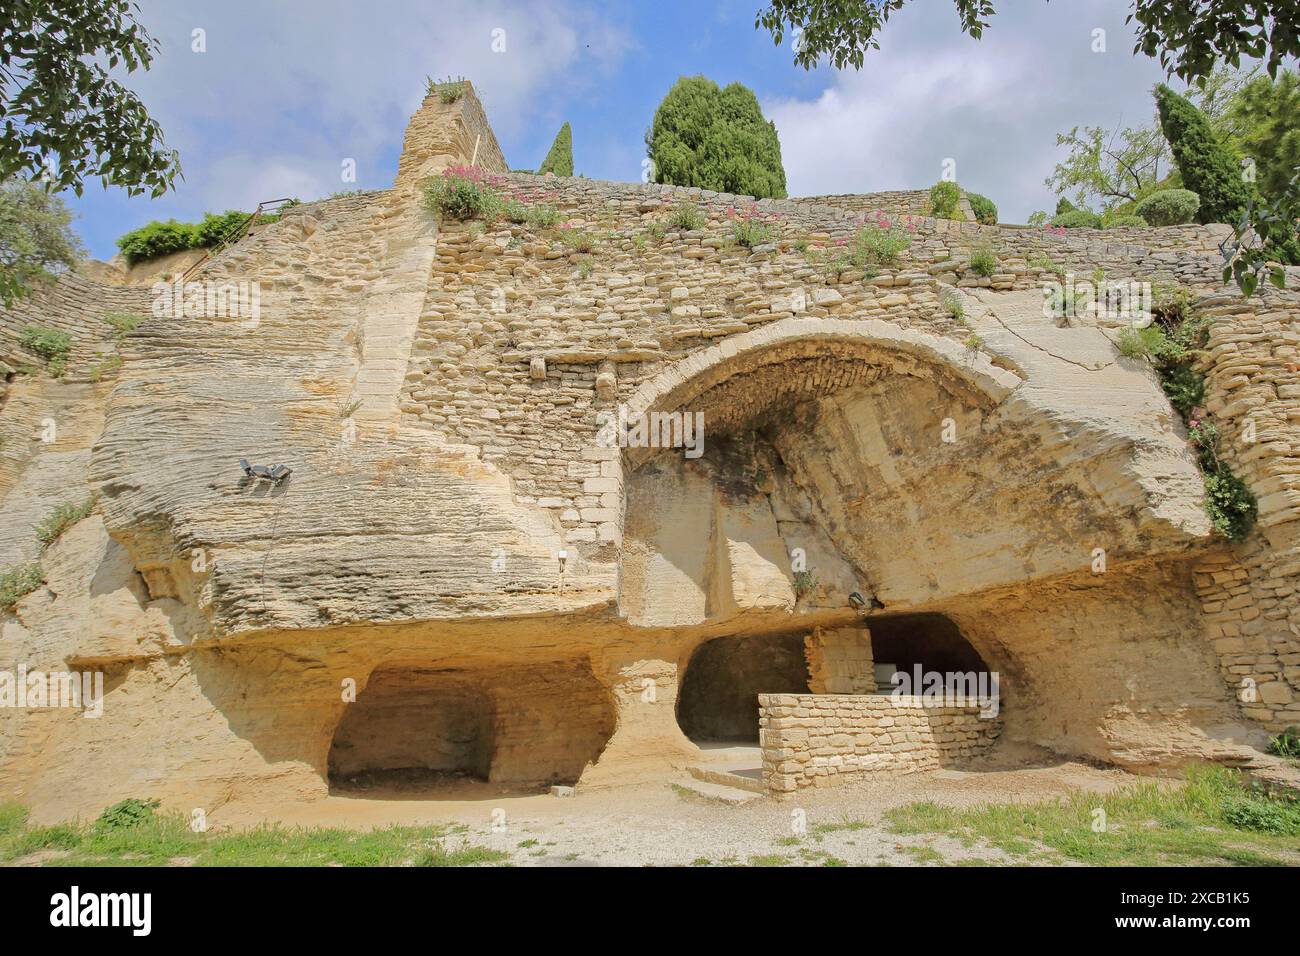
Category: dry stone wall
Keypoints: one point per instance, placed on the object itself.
(820, 740)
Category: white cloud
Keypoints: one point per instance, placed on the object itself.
(286, 91)
(993, 105)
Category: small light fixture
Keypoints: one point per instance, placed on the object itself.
(563, 556)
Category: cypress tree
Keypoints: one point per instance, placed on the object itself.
(560, 159)
(715, 138)
(1207, 167)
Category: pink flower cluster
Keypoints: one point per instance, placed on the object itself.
(752, 212)
(474, 174)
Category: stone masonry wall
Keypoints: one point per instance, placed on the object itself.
(840, 661)
(1248, 594)
(905, 202)
(813, 740)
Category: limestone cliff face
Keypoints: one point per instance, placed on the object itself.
(457, 523)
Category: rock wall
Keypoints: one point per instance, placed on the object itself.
(444, 393)
(820, 740)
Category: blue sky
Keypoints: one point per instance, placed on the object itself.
(289, 89)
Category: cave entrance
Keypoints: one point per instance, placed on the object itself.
(902, 642)
(718, 699)
(413, 727)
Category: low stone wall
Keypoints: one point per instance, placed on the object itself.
(818, 740)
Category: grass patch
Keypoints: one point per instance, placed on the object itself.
(1211, 819)
(579, 240)
(16, 583)
(110, 366)
(140, 836)
(950, 302)
(60, 518)
(769, 859)
(50, 344)
(123, 322)
(687, 216)
(983, 260)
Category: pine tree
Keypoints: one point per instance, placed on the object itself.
(560, 159)
(1207, 167)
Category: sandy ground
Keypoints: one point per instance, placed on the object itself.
(662, 825)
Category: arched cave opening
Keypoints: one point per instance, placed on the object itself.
(718, 699)
(413, 727)
(902, 642)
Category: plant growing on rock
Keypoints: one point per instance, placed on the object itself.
(578, 240)
(60, 519)
(804, 583)
(880, 242)
(687, 216)
(462, 193)
(750, 228)
(984, 260)
(986, 213)
(945, 200)
(17, 582)
(950, 302)
(50, 344)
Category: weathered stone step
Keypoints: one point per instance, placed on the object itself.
(741, 778)
(717, 791)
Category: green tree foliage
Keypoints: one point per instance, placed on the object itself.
(1110, 167)
(560, 159)
(986, 213)
(1188, 38)
(1206, 165)
(1169, 207)
(1077, 219)
(36, 238)
(945, 200)
(64, 117)
(156, 239)
(1264, 118)
(715, 138)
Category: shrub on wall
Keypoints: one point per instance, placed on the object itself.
(560, 158)
(215, 228)
(1077, 219)
(985, 211)
(463, 192)
(156, 239)
(1169, 207)
(1172, 344)
(1207, 167)
(945, 200)
(1126, 222)
(715, 138)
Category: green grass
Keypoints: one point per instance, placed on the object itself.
(162, 839)
(686, 215)
(50, 344)
(60, 518)
(1212, 819)
(123, 322)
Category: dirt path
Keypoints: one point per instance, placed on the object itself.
(663, 825)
